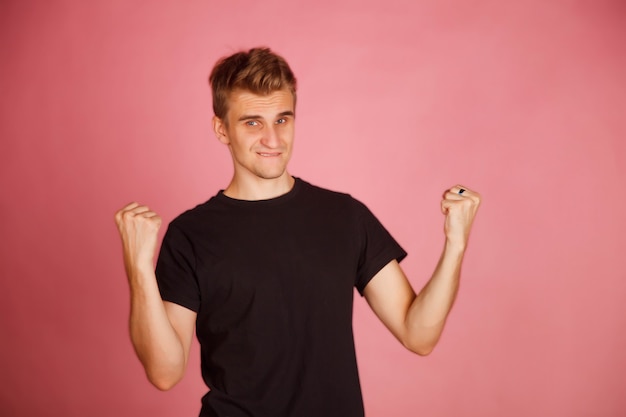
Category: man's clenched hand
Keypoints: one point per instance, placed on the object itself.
(138, 227)
(460, 205)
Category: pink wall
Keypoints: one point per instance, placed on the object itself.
(103, 102)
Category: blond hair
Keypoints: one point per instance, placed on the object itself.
(258, 70)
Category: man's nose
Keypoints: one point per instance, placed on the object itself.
(271, 137)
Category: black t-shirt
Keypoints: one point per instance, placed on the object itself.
(273, 282)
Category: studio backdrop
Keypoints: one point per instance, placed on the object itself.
(107, 102)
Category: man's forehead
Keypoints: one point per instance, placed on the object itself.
(280, 100)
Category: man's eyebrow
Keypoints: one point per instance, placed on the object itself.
(248, 117)
(256, 116)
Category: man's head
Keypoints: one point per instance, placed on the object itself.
(254, 96)
(259, 71)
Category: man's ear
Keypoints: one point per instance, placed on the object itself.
(219, 127)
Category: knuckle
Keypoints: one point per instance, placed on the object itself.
(128, 217)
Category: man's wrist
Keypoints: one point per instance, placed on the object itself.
(454, 248)
(140, 270)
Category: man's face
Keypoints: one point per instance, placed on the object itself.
(259, 132)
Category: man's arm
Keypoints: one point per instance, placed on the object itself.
(417, 320)
(161, 332)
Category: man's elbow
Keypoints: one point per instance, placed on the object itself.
(421, 350)
(162, 385)
(163, 382)
(420, 346)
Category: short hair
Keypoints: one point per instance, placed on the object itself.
(258, 70)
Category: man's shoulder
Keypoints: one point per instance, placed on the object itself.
(326, 193)
(332, 196)
(331, 202)
(194, 214)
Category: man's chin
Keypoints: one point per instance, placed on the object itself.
(270, 175)
(271, 172)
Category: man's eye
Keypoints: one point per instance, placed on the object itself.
(281, 121)
(252, 123)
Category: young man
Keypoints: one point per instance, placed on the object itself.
(265, 270)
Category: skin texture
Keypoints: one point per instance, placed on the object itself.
(259, 132)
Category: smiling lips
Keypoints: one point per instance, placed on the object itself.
(269, 154)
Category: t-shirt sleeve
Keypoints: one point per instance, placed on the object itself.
(377, 247)
(175, 270)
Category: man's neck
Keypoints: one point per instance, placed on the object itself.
(254, 189)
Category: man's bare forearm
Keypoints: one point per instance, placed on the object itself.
(418, 320)
(427, 313)
(156, 343)
(429, 310)
(159, 348)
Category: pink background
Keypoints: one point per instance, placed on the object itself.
(104, 102)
